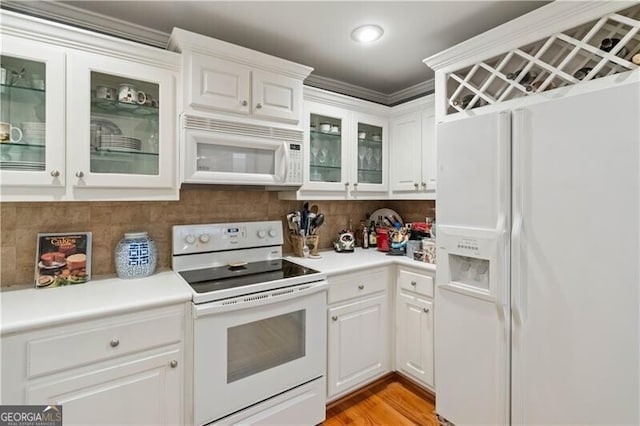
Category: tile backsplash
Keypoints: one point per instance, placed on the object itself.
(108, 221)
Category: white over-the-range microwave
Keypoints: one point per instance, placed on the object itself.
(232, 153)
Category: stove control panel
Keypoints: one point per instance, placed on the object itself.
(189, 239)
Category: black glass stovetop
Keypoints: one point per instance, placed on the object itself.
(224, 277)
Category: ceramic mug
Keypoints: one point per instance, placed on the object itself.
(130, 95)
(105, 92)
(6, 133)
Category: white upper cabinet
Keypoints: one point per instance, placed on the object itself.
(220, 77)
(346, 150)
(92, 117)
(413, 148)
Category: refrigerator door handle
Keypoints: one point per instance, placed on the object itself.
(519, 132)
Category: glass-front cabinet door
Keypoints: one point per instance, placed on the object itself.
(326, 151)
(371, 154)
(32, 149)
(121, 123)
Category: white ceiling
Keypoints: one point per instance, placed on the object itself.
(317, 33)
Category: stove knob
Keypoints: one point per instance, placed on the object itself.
(261, 234)
(190, 239)
(204, 238)
(272, 233)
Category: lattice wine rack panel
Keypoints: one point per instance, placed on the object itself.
(600, 48)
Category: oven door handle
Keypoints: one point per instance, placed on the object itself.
(258, 299)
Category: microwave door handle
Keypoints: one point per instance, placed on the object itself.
(285, 164)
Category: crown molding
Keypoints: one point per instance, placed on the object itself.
(417, 90)
(341, 87)
(71, 15)
(387, 99)
(535, 25)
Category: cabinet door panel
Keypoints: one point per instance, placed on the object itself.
(370, 155)
(136, 144)
(357, 343)
(143, 391)
(33, 103)
(406, 147)
(217, 84)
(414, 341)
(429, 151)
(276, 96)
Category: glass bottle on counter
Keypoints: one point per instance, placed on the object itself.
(373, 237)
(365, 237)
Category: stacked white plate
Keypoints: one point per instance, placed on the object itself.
(22, 165)
(120, 143)
(33, 132)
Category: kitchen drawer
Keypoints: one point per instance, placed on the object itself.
(97, 342)
(411, 281)
(357, 284)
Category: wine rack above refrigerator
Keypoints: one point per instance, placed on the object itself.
(602, 47)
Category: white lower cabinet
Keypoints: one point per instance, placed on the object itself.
(414, 326)
(358, 330)
(125, 369)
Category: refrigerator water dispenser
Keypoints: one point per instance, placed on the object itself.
(469, 271)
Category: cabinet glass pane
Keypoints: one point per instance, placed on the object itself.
(325, 161)
(124, 133)
(370, 153)
(22, 114)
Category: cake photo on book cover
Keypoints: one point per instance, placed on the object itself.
(63, 259)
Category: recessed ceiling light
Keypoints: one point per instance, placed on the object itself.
(367, 33)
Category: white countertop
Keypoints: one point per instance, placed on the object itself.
(333, 263)
(33, 308)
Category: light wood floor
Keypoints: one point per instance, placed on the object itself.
(392, 400)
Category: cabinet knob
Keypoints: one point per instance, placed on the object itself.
(244, 103)
(355, 185)
(258, 106)
(55, 173)
(80, 174)
(413, 283)
(114, 343)
(335, 318)
(361, 287)
(415, 185)
(426, 310)
(346, 184)
(173, 363)
(424, 184)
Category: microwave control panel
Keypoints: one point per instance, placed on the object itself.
(294, 173)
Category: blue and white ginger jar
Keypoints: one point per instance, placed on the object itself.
(136, 256)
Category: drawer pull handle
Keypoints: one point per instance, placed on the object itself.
(361, 286)
(244, 103)
(114, 343)
(415, 185)
(413, 283)
(335, 318)
(55, 173)
(259, 106)
(174, 364)
(80, 174)
(426, 310)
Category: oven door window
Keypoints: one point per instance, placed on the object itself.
(261, 345)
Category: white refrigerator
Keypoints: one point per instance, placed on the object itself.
(537, 295)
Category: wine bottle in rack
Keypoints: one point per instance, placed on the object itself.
(466, 100)
(526, 79)
(535, 86)
(609, 43)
